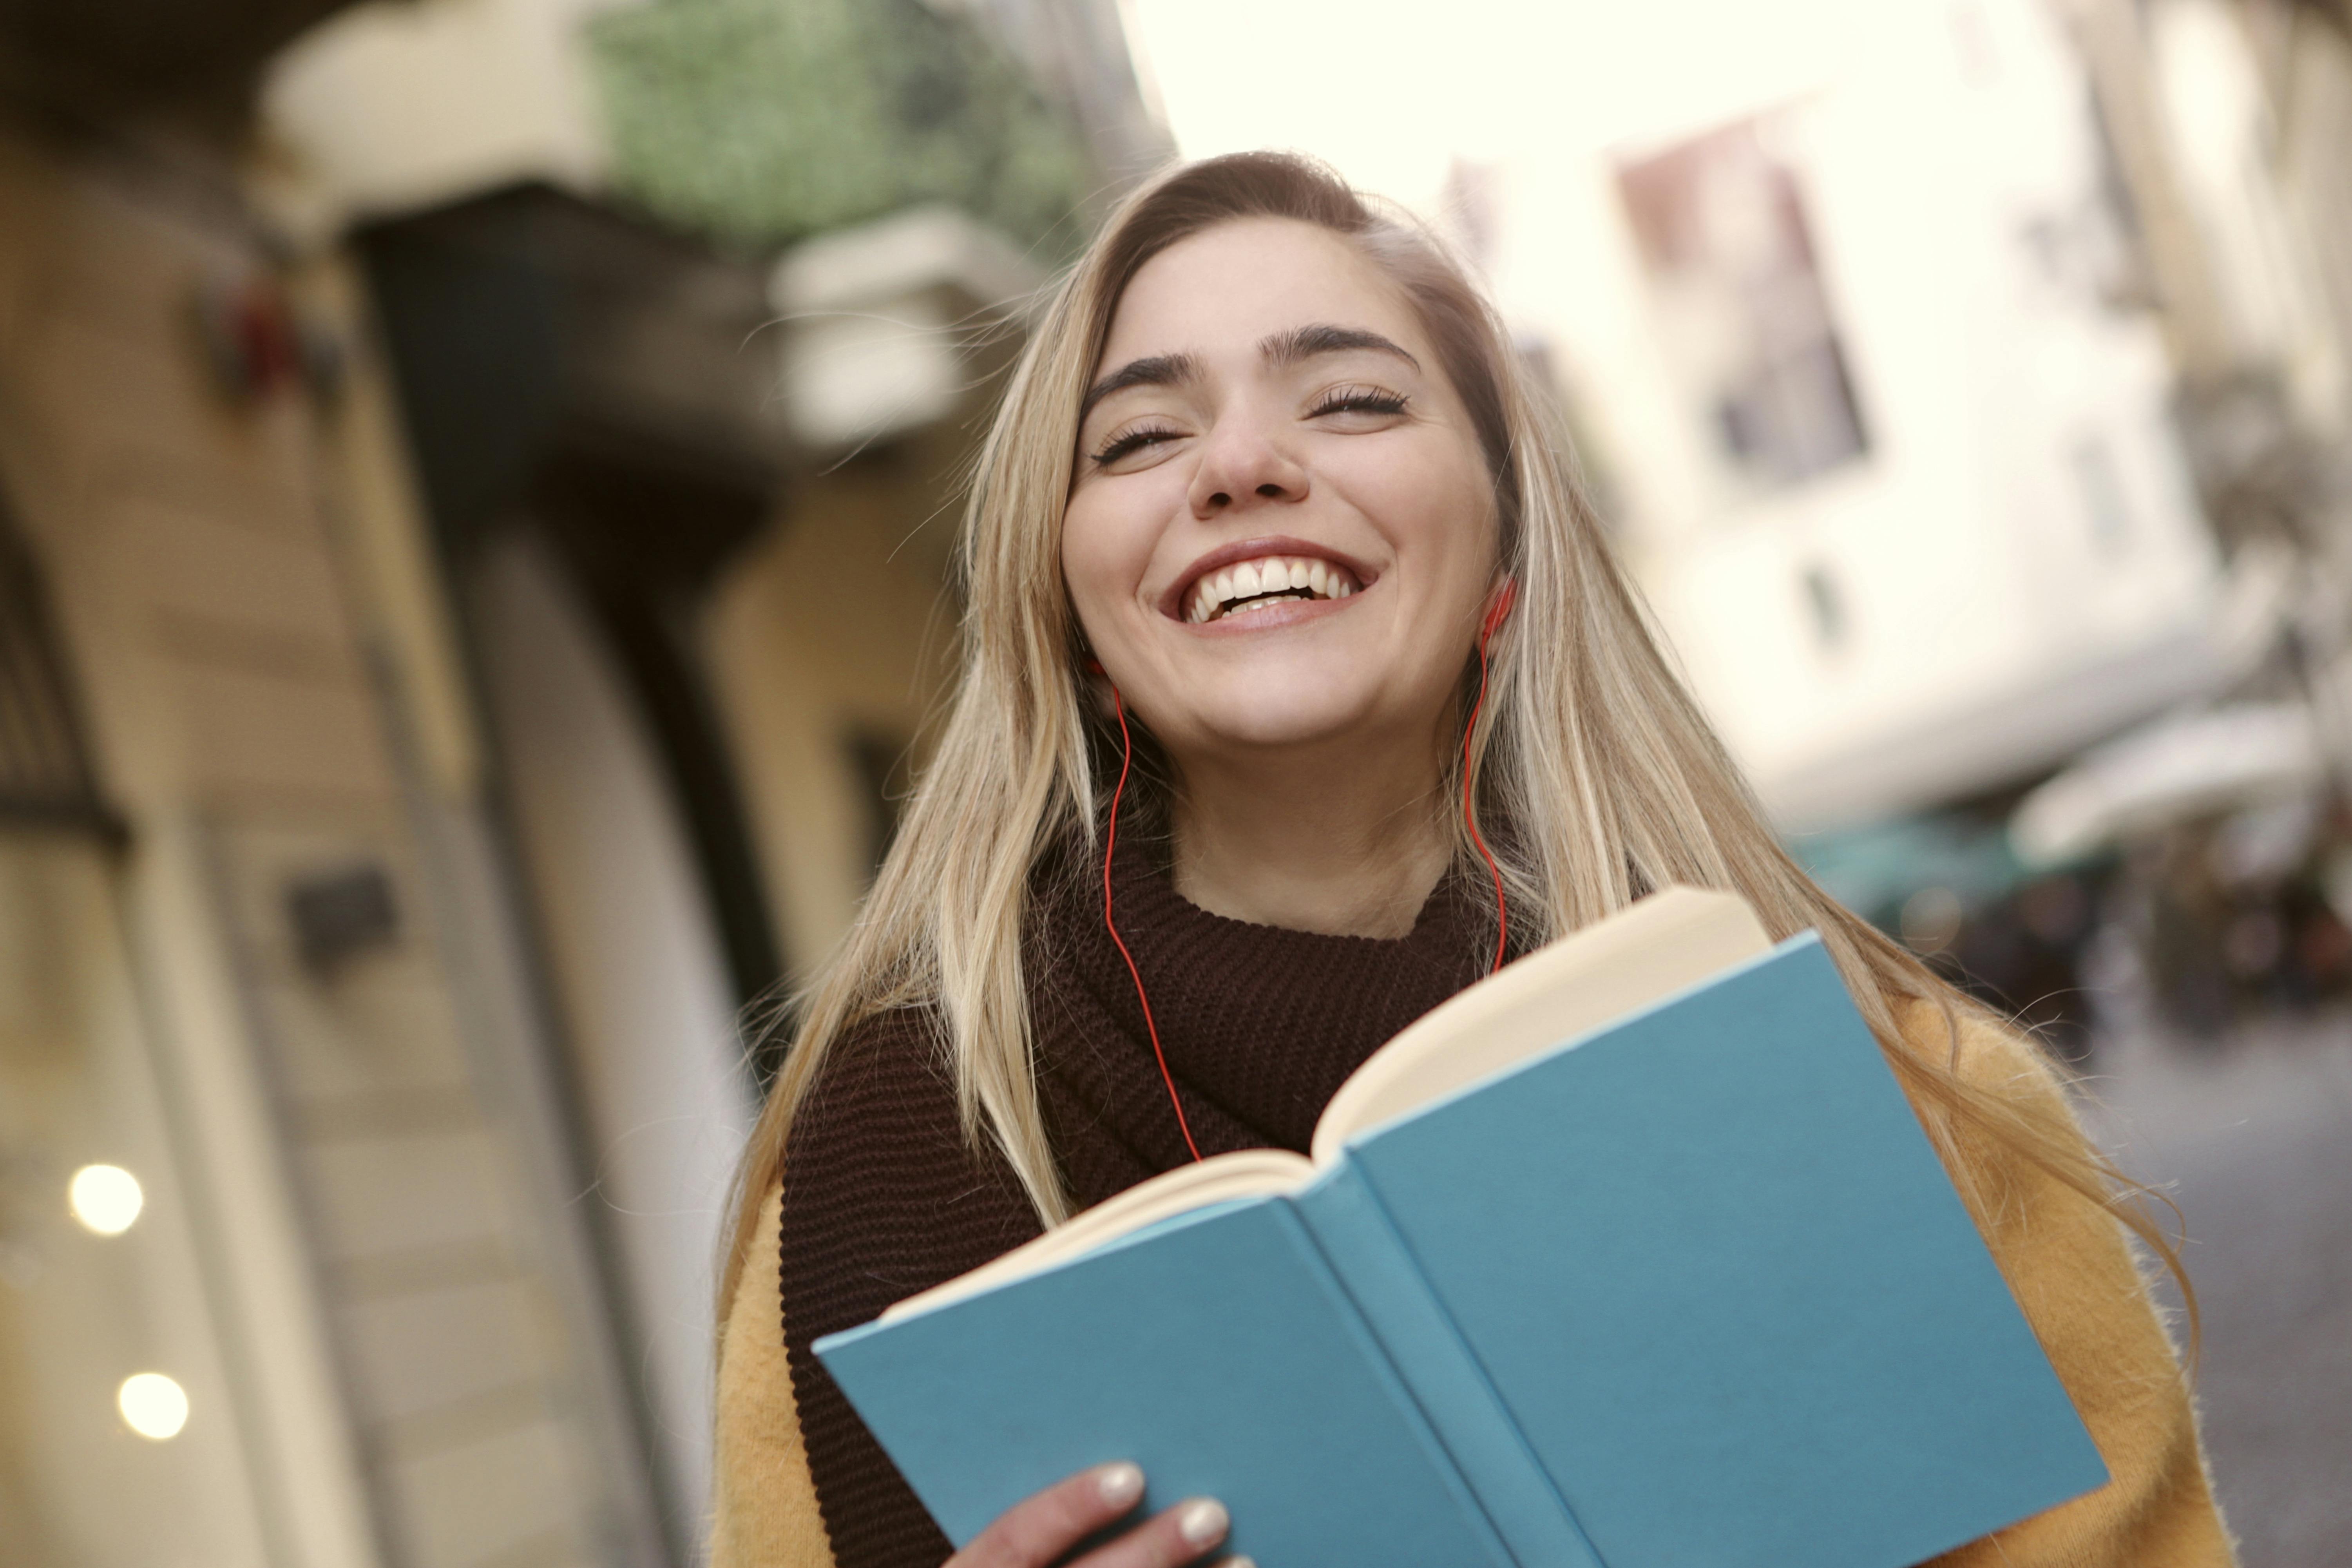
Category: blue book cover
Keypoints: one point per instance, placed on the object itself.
(1691, 1287)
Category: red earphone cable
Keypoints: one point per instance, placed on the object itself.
(1469, 820)
(1110, 845)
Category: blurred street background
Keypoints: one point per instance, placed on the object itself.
(476, 480)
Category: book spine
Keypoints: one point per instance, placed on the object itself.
(1361, 1246)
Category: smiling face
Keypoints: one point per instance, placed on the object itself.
(1281, 530)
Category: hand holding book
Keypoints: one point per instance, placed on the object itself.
(1048, 1527)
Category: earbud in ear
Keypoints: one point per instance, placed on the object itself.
(1496, 613)
(1500, 610)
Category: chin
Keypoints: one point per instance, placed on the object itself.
(1276, 708)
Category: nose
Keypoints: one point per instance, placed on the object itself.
(1243, 467)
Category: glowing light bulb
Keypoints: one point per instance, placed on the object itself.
(153, 1406)
(106, 1198)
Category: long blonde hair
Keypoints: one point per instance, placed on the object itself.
(1588, 747)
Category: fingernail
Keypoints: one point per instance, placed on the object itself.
(1121, 1484)
(1240, 1562)
(1202, 1523)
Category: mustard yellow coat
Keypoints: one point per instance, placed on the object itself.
(2069, 1262)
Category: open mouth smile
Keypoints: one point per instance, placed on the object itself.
(1264, 583)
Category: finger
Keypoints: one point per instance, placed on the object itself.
(1184, 1533)
(1039, 1529)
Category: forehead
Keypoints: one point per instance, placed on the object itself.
(1225, 290)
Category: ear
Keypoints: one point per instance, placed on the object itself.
(1101, 690)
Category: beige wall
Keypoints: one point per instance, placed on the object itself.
(627, 937)
(80, 1311)
(839, 621)
(171, 532)
(412, 1381)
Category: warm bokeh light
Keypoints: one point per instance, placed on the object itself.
(105, 1198)
(153, 1406)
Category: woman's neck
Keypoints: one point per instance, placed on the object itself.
(1353, 850)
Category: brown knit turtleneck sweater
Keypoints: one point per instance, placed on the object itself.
(883, 1198)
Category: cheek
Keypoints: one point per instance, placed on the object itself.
(1102, 561)
(1436, 511)
(1089, 554)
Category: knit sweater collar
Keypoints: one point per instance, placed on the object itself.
(1260, 1024)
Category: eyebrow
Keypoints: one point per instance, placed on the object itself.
(1154, 370)
(1301, 343)
(1280, 350)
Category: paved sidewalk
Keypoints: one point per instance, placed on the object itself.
(2255, 1137)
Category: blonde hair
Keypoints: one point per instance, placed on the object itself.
(1588, 746)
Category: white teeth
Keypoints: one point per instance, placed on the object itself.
(1249, 580)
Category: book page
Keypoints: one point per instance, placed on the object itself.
(1244, 1173)
(1667, 942)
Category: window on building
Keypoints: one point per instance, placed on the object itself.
(1724, 240)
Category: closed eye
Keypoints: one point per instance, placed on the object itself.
(1129, 442)
(1358, 400)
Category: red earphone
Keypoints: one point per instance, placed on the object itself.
(1497, 613)
(1110, 845)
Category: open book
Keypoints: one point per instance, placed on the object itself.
(1630, 1253)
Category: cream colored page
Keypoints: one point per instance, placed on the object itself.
(1246, 1172)
(1666, 942)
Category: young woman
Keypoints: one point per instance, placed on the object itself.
(1276, 566)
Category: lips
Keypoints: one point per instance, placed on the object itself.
(1250, 577)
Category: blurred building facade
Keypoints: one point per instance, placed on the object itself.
(2233, 874)
(1892, 442)
(1970, 390)
(469, 604)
